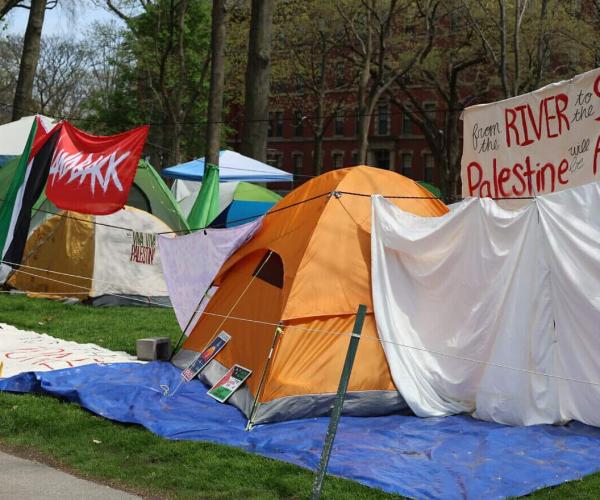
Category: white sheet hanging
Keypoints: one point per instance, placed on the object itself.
(466, 305)
(191, 262)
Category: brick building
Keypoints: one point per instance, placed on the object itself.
(395, 141)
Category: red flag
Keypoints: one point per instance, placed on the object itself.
(93, 174)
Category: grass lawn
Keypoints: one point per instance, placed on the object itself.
(130, 457)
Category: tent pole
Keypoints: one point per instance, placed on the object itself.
(256, 404)
(339, 402)
(190, 320)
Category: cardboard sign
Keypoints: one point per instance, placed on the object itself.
(205, 356)
(229, 383)
(541, 142)
(143, 247)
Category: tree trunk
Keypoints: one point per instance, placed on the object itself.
(364, 118)
(217, 78)
(318, 153)
(6, 6)
(258, 72)
(451, 167)
(22, 104)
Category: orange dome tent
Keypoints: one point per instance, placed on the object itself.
(307, 270)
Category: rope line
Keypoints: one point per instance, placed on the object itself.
(70, 275)
(291, 328)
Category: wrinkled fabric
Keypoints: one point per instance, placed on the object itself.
(191, 262)
(493, 311)
(24, 351)
(453, 457)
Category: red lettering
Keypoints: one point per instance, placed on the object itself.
(540, 177)
(510, 125)
(473, 185)
(597, 155)
(549, 118)
(503, 177)
(517, 171)
(521, 110)
(495, 178)
(537, 127)
(563, 168)
(50, 367)
(528, 173)
(564, 100)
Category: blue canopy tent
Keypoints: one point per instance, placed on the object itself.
(232, 167)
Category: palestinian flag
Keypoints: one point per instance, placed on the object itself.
(81, 172)
(25, 189)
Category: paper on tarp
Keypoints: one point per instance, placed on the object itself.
(191, 262)
(491, 310)
(541, 142)
(25, 351)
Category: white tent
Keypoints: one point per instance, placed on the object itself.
(13, 135)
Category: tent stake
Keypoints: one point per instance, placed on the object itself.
(339, 402)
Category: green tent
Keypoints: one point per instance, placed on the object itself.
(206, 206)
(148, 192)
(434, 190)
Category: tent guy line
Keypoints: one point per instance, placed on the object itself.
(349, 334)
(249, 219)
(89, 278)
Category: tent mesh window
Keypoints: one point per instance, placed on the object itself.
(270, 269)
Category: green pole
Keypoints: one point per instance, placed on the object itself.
(339, 401)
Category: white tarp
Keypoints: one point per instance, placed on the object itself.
(541, 142)
(25, 351)
(493, 311)
(191, 262)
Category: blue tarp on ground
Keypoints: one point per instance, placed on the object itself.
(453, 457)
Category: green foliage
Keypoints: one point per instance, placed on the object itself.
(161, 72)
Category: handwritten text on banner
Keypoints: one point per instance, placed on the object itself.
(536, 143)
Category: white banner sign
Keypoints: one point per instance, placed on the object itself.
(24, 351)
(536, 143)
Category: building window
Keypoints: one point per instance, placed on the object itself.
(383, 119)
(406, 124)
(356, 121)
(382, 158)
(340, 74)
(275, 158)
(430, 110)
(337, 158)
(354, 157)
(298, 123)
(339, 124)
(275, 124)
(428, 167)
(299, 85)
(297, 163)
(406, 164)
